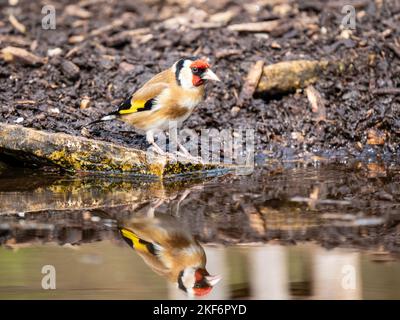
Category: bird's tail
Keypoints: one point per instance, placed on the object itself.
(105, 118)
(106, 219)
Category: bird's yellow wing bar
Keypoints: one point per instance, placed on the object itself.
(133, 107)
(136, 243)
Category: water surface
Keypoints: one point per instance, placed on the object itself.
(289, 232)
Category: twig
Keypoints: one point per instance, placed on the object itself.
(223, 17)
(75, 50)
(25, 102)
(126, 36)
(74, 10)
(206, 25)
(113, 25)
(16, 24)
(223, 53)
(12, 54)
(317, 103)
(252, 79)
(16, 40)
(264, 26)
(395, 49)
(386, 91)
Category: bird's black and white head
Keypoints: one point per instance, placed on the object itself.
(196, 281)
(192, 72)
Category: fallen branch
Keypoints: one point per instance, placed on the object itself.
(21, 194)
(83, 193)
(74, 153)
(290, 75)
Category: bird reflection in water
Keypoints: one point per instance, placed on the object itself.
(170, 251)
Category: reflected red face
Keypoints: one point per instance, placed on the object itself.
(201, 64)
(201, 286)
(198, 68)
(202, 291)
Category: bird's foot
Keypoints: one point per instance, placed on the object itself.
(189, 157)
(186, 155)
(161, 152)
(183, 154)
(158, 150)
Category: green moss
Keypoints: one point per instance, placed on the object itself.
(174, 168)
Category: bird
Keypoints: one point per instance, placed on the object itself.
(170, 95)
(170, 251)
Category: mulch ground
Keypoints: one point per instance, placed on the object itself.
(107, 49)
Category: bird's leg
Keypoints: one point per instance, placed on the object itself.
(187, 154)
(153, 206)
(157, 149)
(184, 195)
(181, 198)
(150, 139)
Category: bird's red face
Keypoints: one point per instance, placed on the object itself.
(201, 286)
(201, 72)
(198, 68)
(204, 282)
(191, 73)
(196, 282)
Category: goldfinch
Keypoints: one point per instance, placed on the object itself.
(170, 251)
(171, 95)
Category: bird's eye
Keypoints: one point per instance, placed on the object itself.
(195, 69)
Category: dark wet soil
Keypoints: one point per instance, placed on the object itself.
(361, 119)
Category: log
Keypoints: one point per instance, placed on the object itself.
(47, 192)
(38, 193)
(78, 154)
(68, 194)
(288, 76)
